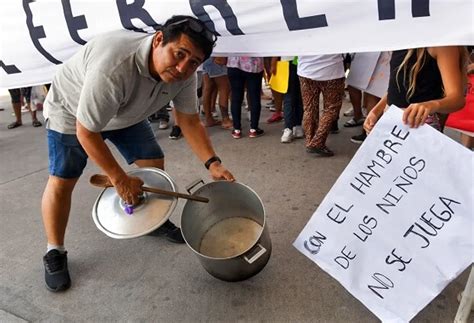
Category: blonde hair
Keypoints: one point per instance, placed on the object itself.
(420, 61)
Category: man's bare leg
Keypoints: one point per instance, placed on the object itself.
(56, 205)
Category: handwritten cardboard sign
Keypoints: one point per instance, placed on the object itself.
(397, 226)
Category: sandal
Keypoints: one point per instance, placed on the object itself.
(354, 123)
(212, 123)
(14, 125)
(36, 123)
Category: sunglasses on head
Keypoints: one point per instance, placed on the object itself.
(196, 27)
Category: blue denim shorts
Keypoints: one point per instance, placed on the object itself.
(67, 158)
(212, 69)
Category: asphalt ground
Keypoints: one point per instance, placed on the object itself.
(148, 279)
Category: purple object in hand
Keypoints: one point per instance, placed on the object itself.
(129, 209)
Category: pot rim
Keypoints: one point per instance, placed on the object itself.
(242, 254)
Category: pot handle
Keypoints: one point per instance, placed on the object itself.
(194, 184)
(256, 255)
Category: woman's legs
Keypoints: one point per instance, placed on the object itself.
(355, 96)
(208, 87)
(223, 89)
(15, 95)
(332, 97)
(254, 87)
(292, 102)
(237, 82)
(277, 115)
(310, 91)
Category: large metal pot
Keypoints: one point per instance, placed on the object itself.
(229, 234)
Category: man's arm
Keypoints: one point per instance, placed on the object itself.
(197, 138)
(128, 187)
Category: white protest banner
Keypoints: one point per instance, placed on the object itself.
(36, 36)
(397, 226)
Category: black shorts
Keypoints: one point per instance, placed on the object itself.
(16, 94)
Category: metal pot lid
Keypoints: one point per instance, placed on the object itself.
(111, 217)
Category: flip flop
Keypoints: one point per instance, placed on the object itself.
(354, 123)
(227, 125)
(36, 123)
(213, 124)
(14, 125)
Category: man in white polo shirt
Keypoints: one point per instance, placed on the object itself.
(106, 91)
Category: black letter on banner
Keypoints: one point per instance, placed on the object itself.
(420, 8)
(74, 23)
(386, 9)
(9, 69)
(37, 32)
(134, 10)
(197, 6)
(294, 22)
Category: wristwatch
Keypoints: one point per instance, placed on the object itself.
(208, 163)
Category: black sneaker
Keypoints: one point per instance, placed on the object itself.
(334, 127)
(175, 133)
(56, 273)
(169, 231)
(359, 139)
(322, 152)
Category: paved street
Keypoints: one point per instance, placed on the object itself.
(151, 280)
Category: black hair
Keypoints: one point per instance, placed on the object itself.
(173, 29)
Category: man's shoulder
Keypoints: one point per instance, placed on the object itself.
(110, 50)
(117, 38)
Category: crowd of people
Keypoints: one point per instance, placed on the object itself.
(367, 79)
(120, 81)
(21, 100)
(226, 84)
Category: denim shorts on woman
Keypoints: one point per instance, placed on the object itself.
(67, 158)
(212, 69)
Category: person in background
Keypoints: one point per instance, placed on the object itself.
(320, 74)
(466, 140)
(162, 117)
(245, 72)
(277, 114)
(16, 97)
(367, 91)
(423, 82)
(292, 105)
(176, 132)
(215, 76)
